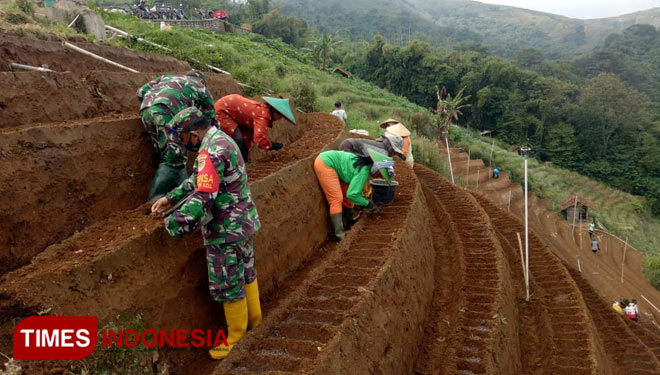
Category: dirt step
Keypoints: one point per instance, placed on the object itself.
(550, 279)
(471, 349)
(389, 267)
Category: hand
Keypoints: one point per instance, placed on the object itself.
(372, 207)
(160, 206)
(276, 146)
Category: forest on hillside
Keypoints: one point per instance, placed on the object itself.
(597, 114)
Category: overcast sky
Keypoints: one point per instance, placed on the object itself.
(581, 8)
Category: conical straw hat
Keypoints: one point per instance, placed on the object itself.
(389, 122)
(399, 130)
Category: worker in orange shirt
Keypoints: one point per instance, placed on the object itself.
(247, 121)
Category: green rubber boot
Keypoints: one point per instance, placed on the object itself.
(338, 226)
(166, 179)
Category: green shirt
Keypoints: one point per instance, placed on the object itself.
(342, 162)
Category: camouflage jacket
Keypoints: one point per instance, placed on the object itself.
(218, 190)
(178, 92)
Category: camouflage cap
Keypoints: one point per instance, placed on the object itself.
(197, 74)
(185, 120)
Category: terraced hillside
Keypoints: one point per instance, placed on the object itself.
(603, 271)
(431, 284)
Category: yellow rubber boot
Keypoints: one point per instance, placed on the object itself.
(236, 314)
(254, 306)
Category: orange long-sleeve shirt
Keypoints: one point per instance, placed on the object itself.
(252, 117)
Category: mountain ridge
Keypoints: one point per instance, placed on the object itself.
(505, 30)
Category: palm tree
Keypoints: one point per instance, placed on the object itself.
(448, 110)
(321, 48)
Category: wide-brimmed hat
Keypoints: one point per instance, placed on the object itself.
(389, 122)
(396, 142)
(398, 129)
(382, 163)
(282, 106)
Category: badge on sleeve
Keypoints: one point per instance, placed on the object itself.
(207, 176)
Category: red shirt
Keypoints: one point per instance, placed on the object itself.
(252, 117)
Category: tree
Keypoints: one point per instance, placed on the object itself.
(321, 49)
(529, 57)
(448, 110)
(560, 145)
(621, 107)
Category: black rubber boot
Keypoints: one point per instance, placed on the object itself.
(349, 219)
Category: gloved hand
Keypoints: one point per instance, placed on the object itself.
(372, 207)
(276, 146)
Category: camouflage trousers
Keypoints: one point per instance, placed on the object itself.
(231, 266)
(154, 118)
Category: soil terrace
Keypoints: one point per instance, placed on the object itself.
(431, 284)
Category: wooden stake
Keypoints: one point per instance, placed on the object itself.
(478, 171)
(623, 261)
(522, 258)
(509, 205)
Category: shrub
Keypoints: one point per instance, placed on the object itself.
(426, 152)
(421, 123)
(26, 6)
(652, 269)
(304, 95)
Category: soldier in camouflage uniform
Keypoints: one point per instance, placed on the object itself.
(161, 99)
(217, 198)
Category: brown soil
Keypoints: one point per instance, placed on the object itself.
(41, 50)
(463, 334)
(30, 98)
(603, 271)
(431, 284)
(333, 320)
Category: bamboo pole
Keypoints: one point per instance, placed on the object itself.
(649, 302)
(73, 22)
(526, 229)
(467, 174)
(574, 209)
(580, 230)
(522, 258)
(490, 161)
(623, 261)
(578, 261)
(124, 33)
(29, 67)
(478, 171)
(451, 170)
(84, 52)
(509, 204)
(213, 68)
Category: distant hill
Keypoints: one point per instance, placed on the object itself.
(504, 30)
